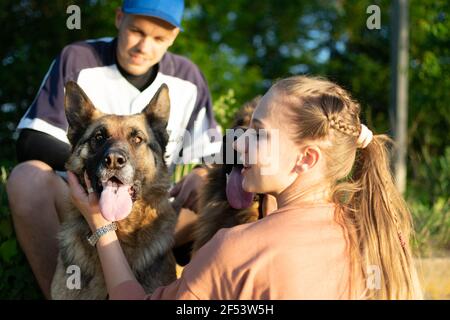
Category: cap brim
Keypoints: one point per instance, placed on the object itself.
(154, 14)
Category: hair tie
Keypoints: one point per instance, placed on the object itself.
(365, 137)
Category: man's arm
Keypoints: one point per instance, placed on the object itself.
(36, 145)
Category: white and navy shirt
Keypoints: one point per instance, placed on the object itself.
(92, 64)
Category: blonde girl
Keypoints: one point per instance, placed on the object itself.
(341, 230)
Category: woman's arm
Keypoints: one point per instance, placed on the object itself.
(119, 278)
(116, 269)
(115, 266)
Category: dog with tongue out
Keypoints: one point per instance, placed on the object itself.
(123, 157)
(237, 197)
(223, 201)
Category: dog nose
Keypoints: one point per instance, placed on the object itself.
(115, 160)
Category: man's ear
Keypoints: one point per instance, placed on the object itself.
(79, 111)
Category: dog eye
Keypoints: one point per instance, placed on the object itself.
(137, 140)
(99, 136)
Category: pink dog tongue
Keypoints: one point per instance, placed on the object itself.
(237, 197)
(115, 201)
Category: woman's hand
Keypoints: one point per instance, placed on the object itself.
(87, 203)
(116, 269)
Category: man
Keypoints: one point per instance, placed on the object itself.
(120, 76)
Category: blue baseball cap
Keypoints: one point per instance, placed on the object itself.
(167, 10)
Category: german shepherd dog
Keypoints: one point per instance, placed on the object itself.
(221, 204)
(123, 156)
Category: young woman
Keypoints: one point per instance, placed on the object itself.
(341, 230)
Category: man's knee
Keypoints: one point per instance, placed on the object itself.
(29, 181)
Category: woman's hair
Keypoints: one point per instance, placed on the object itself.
(374, 213)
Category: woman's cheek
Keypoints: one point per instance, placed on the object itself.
(269, 158)
(253, 182)
(246, 184)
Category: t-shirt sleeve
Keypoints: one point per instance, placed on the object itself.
(37, 145)
(46, 112)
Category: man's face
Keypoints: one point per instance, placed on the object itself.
(142, 41)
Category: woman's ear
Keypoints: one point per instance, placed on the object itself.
(308, 158)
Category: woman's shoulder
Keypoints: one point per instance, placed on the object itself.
(281, 221)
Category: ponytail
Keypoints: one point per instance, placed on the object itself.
(383, 223)
(373, 212)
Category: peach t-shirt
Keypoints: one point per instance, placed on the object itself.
(293, 253)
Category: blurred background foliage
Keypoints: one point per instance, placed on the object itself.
(242, 46)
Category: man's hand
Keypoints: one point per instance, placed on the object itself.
(186, 191)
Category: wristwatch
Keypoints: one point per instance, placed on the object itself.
(93, 238)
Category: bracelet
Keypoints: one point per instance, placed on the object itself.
(93, 238)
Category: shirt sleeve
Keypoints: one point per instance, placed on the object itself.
(37, 145)
(46, 113)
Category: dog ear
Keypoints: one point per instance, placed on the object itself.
(79, 111)
(158, 110)
(157, 113)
